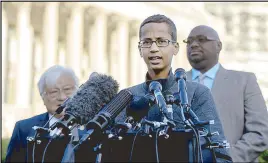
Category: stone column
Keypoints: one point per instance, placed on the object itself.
(112, 47)
(98, 40)
(10, 69)
(64, 13)
(75, 38)
(123, 55)
(50, 33)
(4, 51)
(24, 70)
(137, 69)
(38, 57)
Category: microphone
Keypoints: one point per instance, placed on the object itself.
(97, 91)
(107, 114)
(156, 88)
(42, 129)
(180, 77)
(139, 107)
(170, 100)
(62, 106)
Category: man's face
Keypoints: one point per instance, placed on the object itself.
(203, 48)
(57, 93)
(157, 58)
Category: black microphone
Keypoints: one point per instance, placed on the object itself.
(108, 113)
(86, 102)
(42, 129)
(180, 77)
(62, 106)
(169, 100)
(139, 106)
(155, 87)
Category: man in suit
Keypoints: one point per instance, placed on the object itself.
(237, 95)
(55, 86)
(157, 46)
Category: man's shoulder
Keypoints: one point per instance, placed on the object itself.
(196, 87)
(239, 73)
(196, 90)
(242, 75)
(32, 120)
(137, 89)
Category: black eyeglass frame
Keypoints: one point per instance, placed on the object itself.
(168, 42)
(205, 39)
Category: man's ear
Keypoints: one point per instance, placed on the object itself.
(219, 46)
(140, 51)
(43, 99)
(177, 48)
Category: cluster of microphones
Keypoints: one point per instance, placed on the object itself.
(96, 104)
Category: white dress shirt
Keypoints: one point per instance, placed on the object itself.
(51, 122)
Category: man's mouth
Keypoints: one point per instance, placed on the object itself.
(195, 53)
(155, 59)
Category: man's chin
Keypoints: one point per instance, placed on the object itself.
(197, 65)
(196, 60)
(157, 68)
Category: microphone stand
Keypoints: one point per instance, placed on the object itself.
(114, 133)
(69, 155)
(192, 121)
(38, 131)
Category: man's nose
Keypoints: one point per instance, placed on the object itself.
(62, 96)
(195, 43)
(154, 47)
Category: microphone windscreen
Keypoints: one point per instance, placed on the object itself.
(97, 91)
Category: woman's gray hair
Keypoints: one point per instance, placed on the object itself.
(50, 76)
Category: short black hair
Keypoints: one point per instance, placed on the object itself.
(161, 19)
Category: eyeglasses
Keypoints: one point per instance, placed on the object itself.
(57, 92)
(200, 39)
(159, 43)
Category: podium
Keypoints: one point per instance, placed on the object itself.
(54, 152)
(179, 147)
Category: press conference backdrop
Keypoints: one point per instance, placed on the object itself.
(103, 36)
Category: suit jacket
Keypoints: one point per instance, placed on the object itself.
(199, 97)
(17, 148)
(242, 111)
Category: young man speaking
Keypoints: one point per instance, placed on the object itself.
(157, 46)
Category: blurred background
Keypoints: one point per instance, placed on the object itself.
(103, 37)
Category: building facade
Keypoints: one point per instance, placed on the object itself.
(246, 32)
(86, 36)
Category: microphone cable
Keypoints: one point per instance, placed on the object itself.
(197, 142)
(58, 111)
(132, 146)
(200, 149)
(44, 153)
(196, 133)
(36, 135)
(156, 145)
